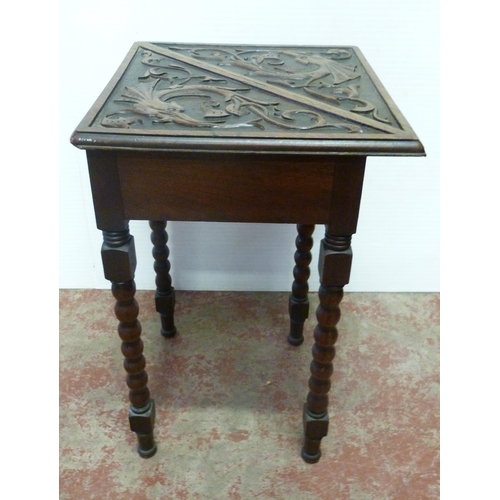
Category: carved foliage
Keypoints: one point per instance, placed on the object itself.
(174, 94)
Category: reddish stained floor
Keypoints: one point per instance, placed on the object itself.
(229, 392)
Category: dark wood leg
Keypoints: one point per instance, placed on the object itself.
(118, 255)
(334, 266)
(298, 304)
(165, 293)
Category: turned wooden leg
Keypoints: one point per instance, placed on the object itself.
(334, 266)
(298, 304)
(118, 255)
(165, 293)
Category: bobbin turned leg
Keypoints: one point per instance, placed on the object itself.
(298, 304)
(118, 256)
(165, 293)
(334, 267)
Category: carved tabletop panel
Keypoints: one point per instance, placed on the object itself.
(210, 97)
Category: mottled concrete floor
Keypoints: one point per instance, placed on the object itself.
(229, 391)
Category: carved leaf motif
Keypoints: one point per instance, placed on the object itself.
(210, 112)
(119, 122)
(316, 118)
(366, 108)
(235, 107)
(343, 94)
(149, 59)
(338, 53)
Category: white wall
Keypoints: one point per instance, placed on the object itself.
(397, 244)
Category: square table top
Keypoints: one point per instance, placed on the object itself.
(247, 98)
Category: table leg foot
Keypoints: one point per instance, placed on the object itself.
(146, 447)
(169, 332)
(165, 293)
(315, 429)
(166, 303)
(296, 336)
(298, 304)
(142, 423)
(311, 459)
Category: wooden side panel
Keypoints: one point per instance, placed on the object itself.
(226, 187)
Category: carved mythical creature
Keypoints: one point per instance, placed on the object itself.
(156, 103)
(315, 68)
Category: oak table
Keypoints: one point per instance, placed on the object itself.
(236, 133)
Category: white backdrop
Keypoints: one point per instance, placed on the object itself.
(397, 244)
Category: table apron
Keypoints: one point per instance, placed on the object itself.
(226, 187)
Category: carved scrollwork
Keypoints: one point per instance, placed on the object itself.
(173, 93)
(350, 93)
(272, 66)
(317, 74)
(209, 104)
